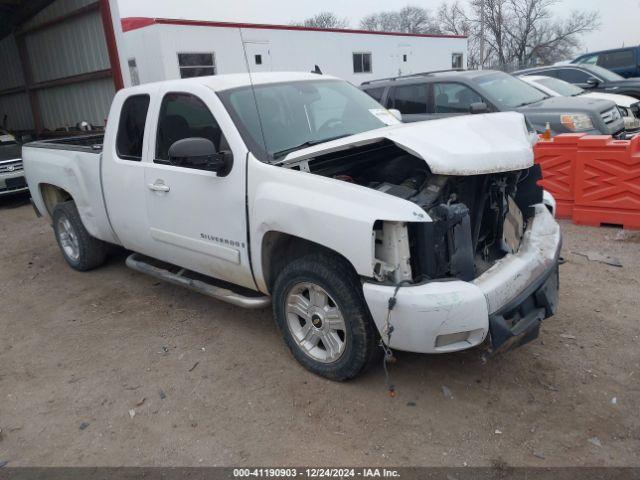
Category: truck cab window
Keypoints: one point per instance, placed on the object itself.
(183, 115)
(131, 127)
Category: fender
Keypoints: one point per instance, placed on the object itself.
(335, 214)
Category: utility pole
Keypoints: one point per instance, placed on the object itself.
(481, 34)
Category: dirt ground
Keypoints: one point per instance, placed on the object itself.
(114, 368)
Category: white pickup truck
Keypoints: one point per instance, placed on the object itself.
(301, 191)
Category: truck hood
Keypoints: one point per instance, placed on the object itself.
(580, 104)
(620, 100)
(463, 145)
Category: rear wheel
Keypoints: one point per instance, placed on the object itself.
(81, 251)
(322, 315)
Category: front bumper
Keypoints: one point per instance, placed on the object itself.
(12, 182)
(509, 300)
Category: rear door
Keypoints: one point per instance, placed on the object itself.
(122, 167)
(405, 60)
(258, 56)
(197, 219)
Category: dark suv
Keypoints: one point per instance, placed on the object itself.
(589, 77)
(434, 95)
(623, 61)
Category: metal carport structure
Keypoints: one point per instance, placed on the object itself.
(60, 64)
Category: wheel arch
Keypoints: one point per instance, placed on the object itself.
(52, 195)
(279, 248)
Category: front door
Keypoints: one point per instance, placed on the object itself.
(197, 219)
(258, 56)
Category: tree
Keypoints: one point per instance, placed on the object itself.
(409, 19)
(517, 33)
(324, 20)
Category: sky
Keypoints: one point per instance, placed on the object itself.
(619, 18)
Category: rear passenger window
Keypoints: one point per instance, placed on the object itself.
(410, 99)
(375, 93)
(619, 59)
(453, 98)
(572, 75)
(133, 117)
(183, 115)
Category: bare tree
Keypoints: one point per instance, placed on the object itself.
(517, 32)
(324, 20)
(409, 19)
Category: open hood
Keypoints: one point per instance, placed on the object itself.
(463, 145)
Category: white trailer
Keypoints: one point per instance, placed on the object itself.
(157, 49)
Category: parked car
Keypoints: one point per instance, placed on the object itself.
(301, 191)
(629, 107)
(11, 174)
(589, 77)
(443, 94)
(623, 61)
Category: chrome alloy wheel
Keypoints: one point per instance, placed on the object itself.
(68, 239)
(316, 323)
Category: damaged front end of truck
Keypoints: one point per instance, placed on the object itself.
(483, 259)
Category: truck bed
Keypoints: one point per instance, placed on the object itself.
(83, 143)
(73, 166)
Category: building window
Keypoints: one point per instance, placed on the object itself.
(404, 57)
(133, 72)
(196, 64)
(258, 59)
(362, 63)
(456, 60)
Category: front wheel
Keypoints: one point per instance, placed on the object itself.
(322, 315)
(81, 251)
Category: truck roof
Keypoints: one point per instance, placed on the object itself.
(219, 83)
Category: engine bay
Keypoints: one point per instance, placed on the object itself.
(477, 219)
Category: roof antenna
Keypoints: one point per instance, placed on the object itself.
(317, 70)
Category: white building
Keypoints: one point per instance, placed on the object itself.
(158, 49)
(63, 60)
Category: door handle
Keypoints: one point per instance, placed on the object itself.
(158, 186)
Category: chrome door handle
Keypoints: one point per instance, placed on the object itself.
(159, 187)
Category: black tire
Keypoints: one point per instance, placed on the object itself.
(91, 251)
(338, 279)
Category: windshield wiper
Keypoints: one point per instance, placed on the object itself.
(308, 143)
(524, 104)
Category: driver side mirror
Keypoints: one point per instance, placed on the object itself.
(478, 107)
(200, 153)
(592, 82)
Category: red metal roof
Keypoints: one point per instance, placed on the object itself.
(134, 23)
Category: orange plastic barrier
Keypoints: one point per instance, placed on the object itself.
(594, 178)
(557, 158)
(607, 182)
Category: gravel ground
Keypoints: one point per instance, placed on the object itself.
(114, 368)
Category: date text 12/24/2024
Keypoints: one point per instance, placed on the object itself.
(315, 473)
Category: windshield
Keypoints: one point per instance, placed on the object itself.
(608, 75)
(296, 115)
(508, 91)
(565, 89)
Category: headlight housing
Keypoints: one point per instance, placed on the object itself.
(576, 122)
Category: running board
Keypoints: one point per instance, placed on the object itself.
(196, 282)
